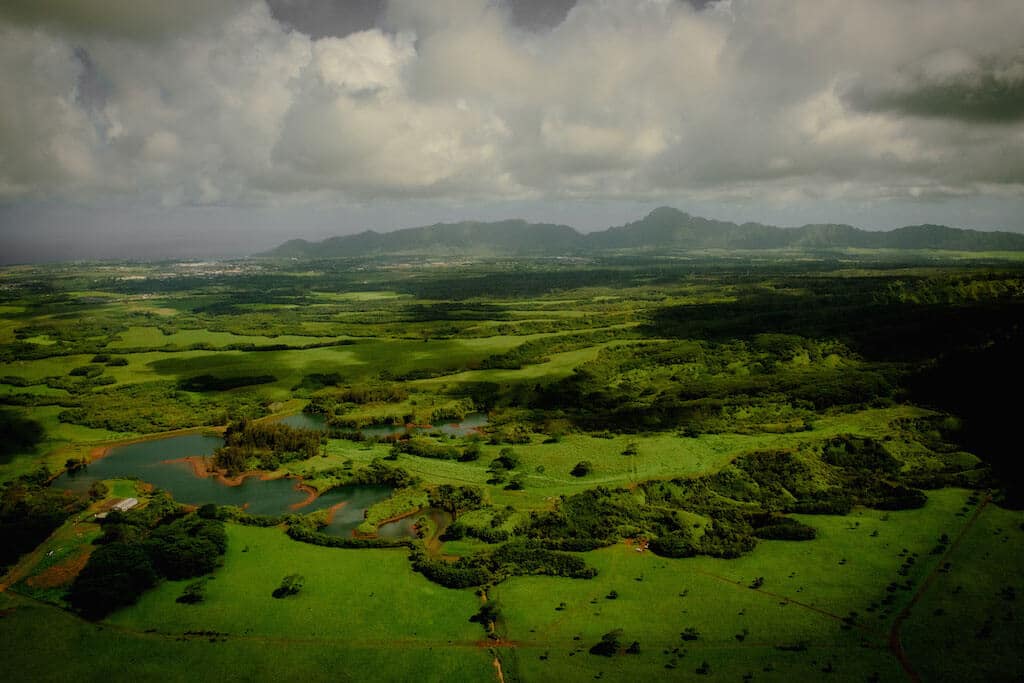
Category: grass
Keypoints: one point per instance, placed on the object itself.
(42, 643)
(46, 573)
(364, 615)
(805, 595)
(967, 613)
(557, 366)
(372, 590)
(398, 505)
(60, 441)
(660, 456)
(153, 338)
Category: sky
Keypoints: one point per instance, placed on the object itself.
(154, 129)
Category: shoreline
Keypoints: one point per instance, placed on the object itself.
(201, 469)
(199, 464)
(394, 518)
(103, 450)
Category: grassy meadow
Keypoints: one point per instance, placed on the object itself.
(728, 468)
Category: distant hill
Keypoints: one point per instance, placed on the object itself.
(502, 238)
(663, 229)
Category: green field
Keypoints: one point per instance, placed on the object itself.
(706, 406)
(352, 598)
(805, 596)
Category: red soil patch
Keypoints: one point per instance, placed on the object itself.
(311, 495)
(331, 511)
(395, 518)
(63, 573)
(202, 469)
(99, 452)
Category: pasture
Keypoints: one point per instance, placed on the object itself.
(707, 398)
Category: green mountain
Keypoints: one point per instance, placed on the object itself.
(663, 229)
(470, 238)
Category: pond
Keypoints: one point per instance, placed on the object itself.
(161, 463)
(344, 520)
(400, 528)
(306, 421)
(407, 525)
(471, 423)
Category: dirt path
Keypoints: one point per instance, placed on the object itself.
(779, 596)
(895, 643)
(497, 670)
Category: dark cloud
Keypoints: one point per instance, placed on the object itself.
(339, 18)
(93, 88)
(322, 18)
(982, 91)
(539, 14)
(475, 100)
(131, 19)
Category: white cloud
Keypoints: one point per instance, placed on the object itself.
(764, 98)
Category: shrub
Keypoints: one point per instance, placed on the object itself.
(194, 593)
(116, 575)
(608, 645)
(290, 585)
(582, 468)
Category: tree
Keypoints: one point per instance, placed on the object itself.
(98, 490)
(507, 458)
(488, 614)
(678, 543)
(116, 575)
(582, 468)
(471, 452)
(516, 484)
(187, 547)
(209, 511)
(194, 593)
(290, 585)
(609, 644)
(690, 633)
(456, 499)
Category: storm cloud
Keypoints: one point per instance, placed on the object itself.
(953, 84)
(245, 103)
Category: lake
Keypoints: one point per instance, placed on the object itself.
(160, 463)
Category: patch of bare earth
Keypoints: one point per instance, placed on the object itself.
(62, 573)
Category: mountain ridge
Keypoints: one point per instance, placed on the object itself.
(663, 228)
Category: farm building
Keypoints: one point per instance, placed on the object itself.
(120, 506)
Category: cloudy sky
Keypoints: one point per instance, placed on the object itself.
(155, 128)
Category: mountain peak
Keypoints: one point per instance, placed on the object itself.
(666, 212)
